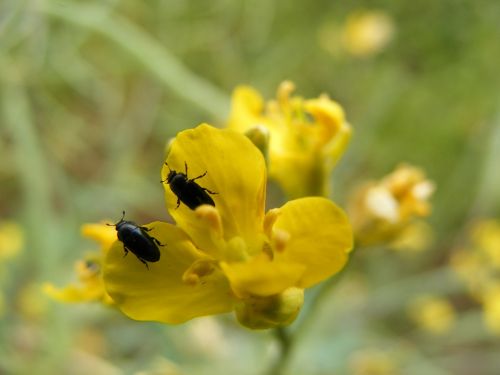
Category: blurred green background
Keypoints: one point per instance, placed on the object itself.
(90, 92)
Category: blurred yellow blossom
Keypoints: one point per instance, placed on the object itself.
(364, 33)
(381, 211)
(486, 237)
(11, 239)
(491, 308)
(478, 265)
(231, 256)
(89, 270)
(433, 314)
(373, 362)
(306, 136)
(31, 302)
(415, 237)
(368, 32)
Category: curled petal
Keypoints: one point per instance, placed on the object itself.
(320, 238)
(246, 109)
(104, 234)
(171, 290)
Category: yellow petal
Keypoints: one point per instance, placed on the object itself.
(162, 293)
(261, 277)
(75, 293)
(104, 234)
(90, 287)
(320, 238)
(11, 239)
(246, 109)
(235, 171)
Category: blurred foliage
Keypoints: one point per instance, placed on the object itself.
(90, 92)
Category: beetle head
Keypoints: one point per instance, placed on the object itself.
(116, 225)
(171, 174)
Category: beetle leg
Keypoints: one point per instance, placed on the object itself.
(145, 228)
(143, 261)
(157, 242)
(209, 191)
(178, 203)
(200, 176)
(126, 251)
(186, 168)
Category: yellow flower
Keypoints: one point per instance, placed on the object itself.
(381, 211)
(486, 237)
(306, 137)
(363, 34)
(232, 256)
(366, 33)
(433, 314)
(491, 308)
(373, 362)
(415, 237)
(478, 263)
(89, 270)
(11, 239)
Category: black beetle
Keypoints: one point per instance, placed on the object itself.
(186, 190)
(136, 240)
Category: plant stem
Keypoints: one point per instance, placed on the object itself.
(286, 345)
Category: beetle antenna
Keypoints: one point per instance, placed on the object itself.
(168, 167)
(114, 225)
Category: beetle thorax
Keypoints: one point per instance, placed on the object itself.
(176, 179)
(172, 175)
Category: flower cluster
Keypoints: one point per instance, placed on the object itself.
(383, 211)
(432, 313)
(478, 265)
(231, 256)
(225, 252)
(306, 137)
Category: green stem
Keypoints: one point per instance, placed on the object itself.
(285, 345)
(147, 51)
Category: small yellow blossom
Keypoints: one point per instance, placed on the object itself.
(363, 34)
(232, 256)
(89, 270)
(11, 239)
(31, 302)
(415, 237)
(306, 137)
(433, 314)
(366, 33)
(486, 237)
(373, 362)
(382, 210)
(478, 265)
(491, 308)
